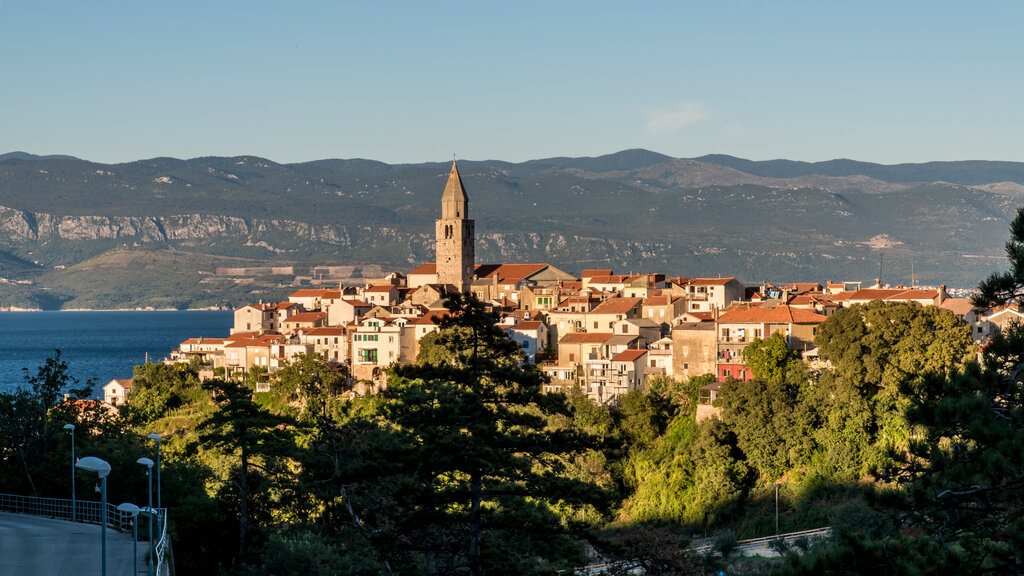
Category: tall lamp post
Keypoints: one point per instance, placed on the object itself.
(74, 506)
(133, 510)
(102, 469)
(156, 437)
(149, 476)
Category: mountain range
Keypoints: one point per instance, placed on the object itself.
(162, 232)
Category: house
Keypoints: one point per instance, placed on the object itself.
(425, 274)
(706, 397)
(645, 330)
(643, 285)
(604, 316)
(202, 350)
(531, 336)
(328, 342)
(346, 311)
(377, 343)
(659, 355)
(506, 281)
(116, 391)
(694, 349)
(381, 295)
(608, 379)
(707, 294)
(740, 325)
(303, 321)
(663, 309)
(314, 299)
(263, 316)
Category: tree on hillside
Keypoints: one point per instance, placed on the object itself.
(28, 431)
(460, 470)
(1005, 287)
(261, 440)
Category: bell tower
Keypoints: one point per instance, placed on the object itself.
(454, 237)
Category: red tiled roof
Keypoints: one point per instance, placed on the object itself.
(306, 317)
(803, 287)
(430, 317)
(711, 281)
(915, 295)
(611, 279)
(357, 303)
(510, 273)
(326, 331)
(873, 294)
(958, 306)
(528, 325)
(657, 301)
(203, 341)
(616, 306)
(783, 314)
(380, 288)
(628, 355)
(585, 337)
(124, 382)
(590, 273)
(428, 268)
(316, 293)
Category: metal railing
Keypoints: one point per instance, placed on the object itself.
(90, 512)
(788, 538)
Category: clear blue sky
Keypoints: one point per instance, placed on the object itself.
(418, 81)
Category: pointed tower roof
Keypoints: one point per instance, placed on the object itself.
(454, 202)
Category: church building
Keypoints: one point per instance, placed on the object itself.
(455, 238)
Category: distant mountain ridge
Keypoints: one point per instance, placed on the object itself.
(62, 219)
(964, 172)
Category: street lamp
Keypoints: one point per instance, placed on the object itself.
(149, 476)
(74, 513)
(102, 469)
(156, 437)
(133, 510)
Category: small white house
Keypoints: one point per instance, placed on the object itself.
(115, 392)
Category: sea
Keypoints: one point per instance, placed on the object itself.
(99, 346)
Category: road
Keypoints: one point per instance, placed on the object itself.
(34, 546)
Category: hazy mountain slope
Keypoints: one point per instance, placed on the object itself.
(967, 172)
(632, 211)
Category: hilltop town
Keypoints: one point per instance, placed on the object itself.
(607, 333)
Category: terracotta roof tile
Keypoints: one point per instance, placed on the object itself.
(628, 355)
(585, 338)
(616, 306)
(783, 314)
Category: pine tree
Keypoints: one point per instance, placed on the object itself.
(1005, 287)
(461, 470)
(261, 439)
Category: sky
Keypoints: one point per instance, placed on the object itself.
(405, 82)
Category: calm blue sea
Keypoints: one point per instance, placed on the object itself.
(98, 345)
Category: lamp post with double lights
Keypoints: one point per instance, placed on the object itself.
(149, 476)
(74, 505)
(102, 469)
(133, 510)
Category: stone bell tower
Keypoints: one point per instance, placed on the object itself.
(454, 245)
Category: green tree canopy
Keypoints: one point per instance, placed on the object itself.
(461, 469)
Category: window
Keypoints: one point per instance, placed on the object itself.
(526, 344)
(368, 355)
(572, 357)
(595, 325)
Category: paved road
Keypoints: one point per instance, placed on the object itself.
(34, 546)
